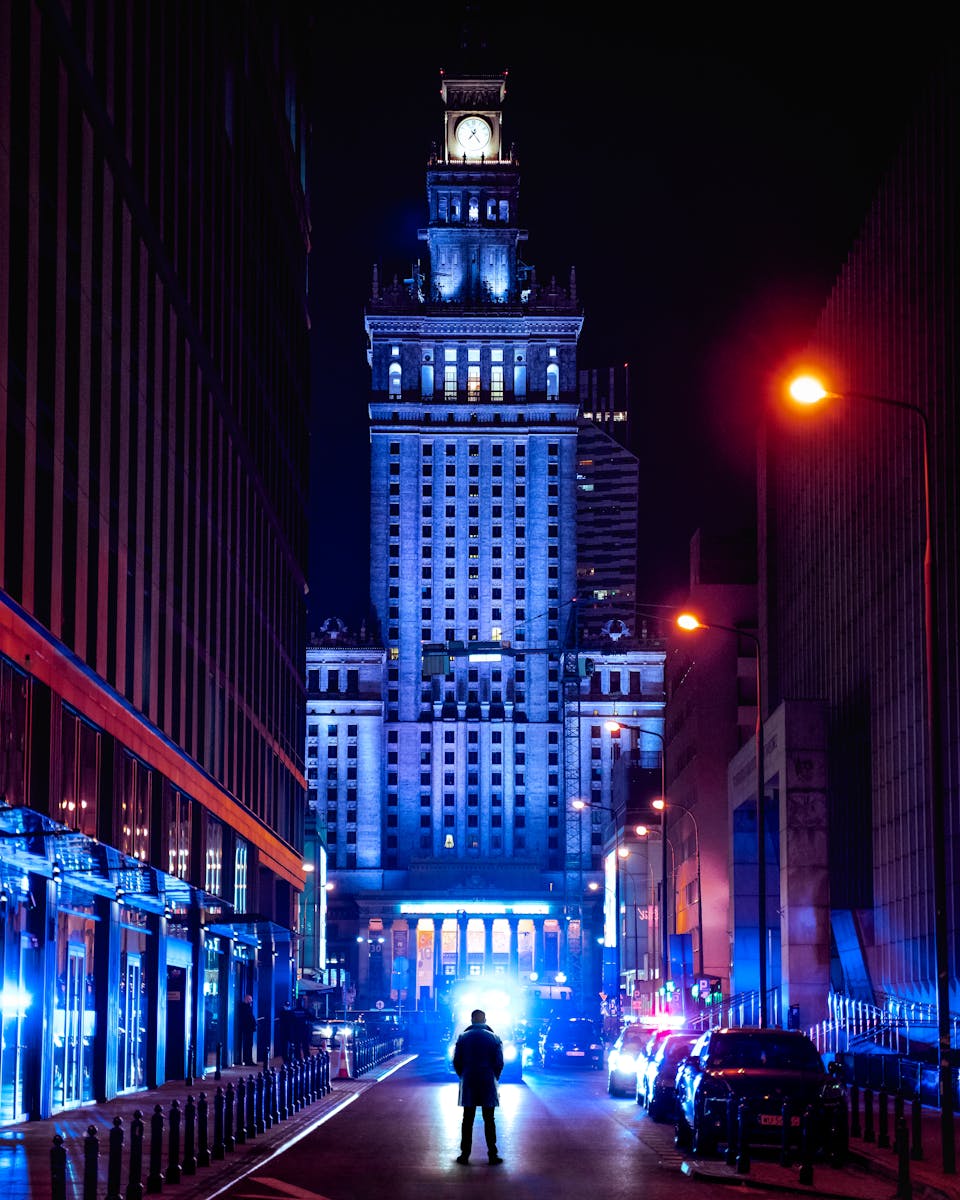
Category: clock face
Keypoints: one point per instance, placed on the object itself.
(473, 135)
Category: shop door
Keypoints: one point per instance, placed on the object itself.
(69, 1065)
(178, 1010)
(132, 1047)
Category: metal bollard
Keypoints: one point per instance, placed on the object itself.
(730, 1157)
(883, 1120)
(902, 1143)
(806, 1146)
(282, 1092)
(267, 1098)
(203, 1150)
(785, 1156)
(155, 1175)
(91, 1163)
(251, 1108)
(868, 1131)
(173, 1144)
(58, 1169)
(241, 1137)
(229, 1104)
(191, 1065)
(217, 1150)
(115, 1160)
(218, 1071)
(897, 1114)
(189, 1164)
(135, 1177)
(916, 1118)
(258, 1106)
(743, 1139)
(855, 1110)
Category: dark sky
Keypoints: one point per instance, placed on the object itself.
(706, 183)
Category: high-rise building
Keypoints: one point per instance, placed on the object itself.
(846, 490)
(457, 853)
(153, 341)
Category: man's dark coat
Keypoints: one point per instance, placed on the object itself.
(478, 1060)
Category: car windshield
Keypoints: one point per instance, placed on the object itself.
(769, 1052)
(676, 1048)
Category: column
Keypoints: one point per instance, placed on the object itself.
(513, 969)
(539, 946)
(461, 945)
(488, 945)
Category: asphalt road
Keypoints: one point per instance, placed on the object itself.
(560, 1134)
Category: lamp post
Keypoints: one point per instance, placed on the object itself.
(689, 622)
(578, 806)
(806, 389)
(614, 726)
(696, 841)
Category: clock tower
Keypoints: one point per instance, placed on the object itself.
(473, 186)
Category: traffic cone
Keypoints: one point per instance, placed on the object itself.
(343, 1073)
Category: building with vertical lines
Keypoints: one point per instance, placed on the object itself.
(444, 754)
(153, 421)
(842, 505)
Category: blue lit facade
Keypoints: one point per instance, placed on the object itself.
(457, 855)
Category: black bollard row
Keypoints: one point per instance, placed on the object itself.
(807, 1137)
(135, 1179)
(883, 1120)
(155, 1176)
(91, 1163)
(868, 1131)
(189, 1164)
(743, 1139)
(898, 1103)
(58, 1169)
(173, 1145)
(241, 1105)
(732, 1119)
(855, 1129)
(203, 1148)
(786, 1132)
(916, 1133)
(901, 1143)
(251, 1108)
(229, 1107)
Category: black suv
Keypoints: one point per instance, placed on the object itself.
(778, 1073)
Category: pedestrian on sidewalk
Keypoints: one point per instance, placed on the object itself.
(248, 1026)
(478, 1061)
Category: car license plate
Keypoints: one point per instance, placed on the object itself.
(777, 1119)
(575, 1053)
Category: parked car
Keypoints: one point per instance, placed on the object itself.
(573, 1041)
(654, 1040)
(657, 1086)
(767, 1068)
(622, 1060)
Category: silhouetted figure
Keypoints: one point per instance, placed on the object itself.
(248, 1027)
(478, 1060)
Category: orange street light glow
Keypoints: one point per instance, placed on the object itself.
(659, 804)
(612, 726)
(807, 389)
(624, 852)
(688, 621)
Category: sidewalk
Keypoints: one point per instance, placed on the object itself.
(872, 1171)
(25, 1172)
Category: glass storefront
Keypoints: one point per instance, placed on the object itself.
(74, 1014)
(17, 956)
(213, 1015)
(135, 986)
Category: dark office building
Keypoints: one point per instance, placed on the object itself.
(153, 459)
(843, 505)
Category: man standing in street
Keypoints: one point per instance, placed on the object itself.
(478, 1061)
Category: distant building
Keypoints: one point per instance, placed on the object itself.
(711, 714)
(152, 541)
(457, 852)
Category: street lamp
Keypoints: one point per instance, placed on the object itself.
(809, 390)
(662, 804)
(578, 806)
(615, 726)
(689, 622)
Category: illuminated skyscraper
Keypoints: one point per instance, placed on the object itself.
(459, 857)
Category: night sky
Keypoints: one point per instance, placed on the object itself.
(705, 181)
